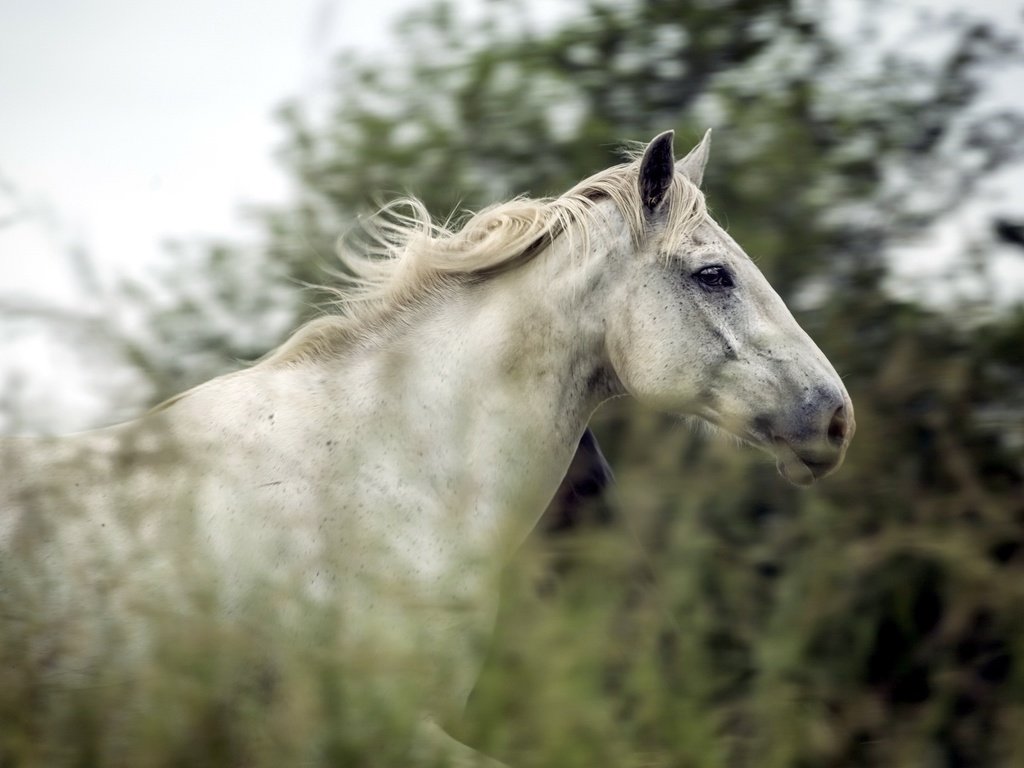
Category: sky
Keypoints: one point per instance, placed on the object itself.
(127, 123)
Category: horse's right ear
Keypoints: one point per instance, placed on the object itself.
(656, 170)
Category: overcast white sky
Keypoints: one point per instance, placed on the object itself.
(124, 123)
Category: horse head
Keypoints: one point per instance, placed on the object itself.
(698, 329)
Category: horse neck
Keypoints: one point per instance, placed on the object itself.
(496, 382)
(541, 329)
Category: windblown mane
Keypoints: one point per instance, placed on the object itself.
(407, 257)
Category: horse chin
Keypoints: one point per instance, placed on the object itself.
(806, 469)
(789, 464)
(795, 471)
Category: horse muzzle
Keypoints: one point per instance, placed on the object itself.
(816, 447)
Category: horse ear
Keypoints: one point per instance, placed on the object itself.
(692, 166)
(656, 170)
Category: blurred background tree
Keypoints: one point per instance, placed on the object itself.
(724, 618)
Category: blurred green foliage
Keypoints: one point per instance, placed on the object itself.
(723, 618)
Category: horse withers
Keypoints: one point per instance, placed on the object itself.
(384, 463)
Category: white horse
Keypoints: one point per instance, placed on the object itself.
(389, 459)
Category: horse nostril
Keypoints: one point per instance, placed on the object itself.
(837, 427)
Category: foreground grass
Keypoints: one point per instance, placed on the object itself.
(724, 620)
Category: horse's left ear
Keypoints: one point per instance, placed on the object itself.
(656, 170)
(692, 166)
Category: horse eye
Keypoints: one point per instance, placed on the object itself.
(714, 278)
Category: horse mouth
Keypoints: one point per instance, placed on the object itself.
(805, 470)
(803, 465)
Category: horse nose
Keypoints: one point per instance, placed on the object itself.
(828, 453)
(815, 447)
(838, 427)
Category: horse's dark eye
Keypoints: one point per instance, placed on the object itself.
(714, 278)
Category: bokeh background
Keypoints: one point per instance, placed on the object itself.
(870, 157)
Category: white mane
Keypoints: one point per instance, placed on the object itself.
(407, 257)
